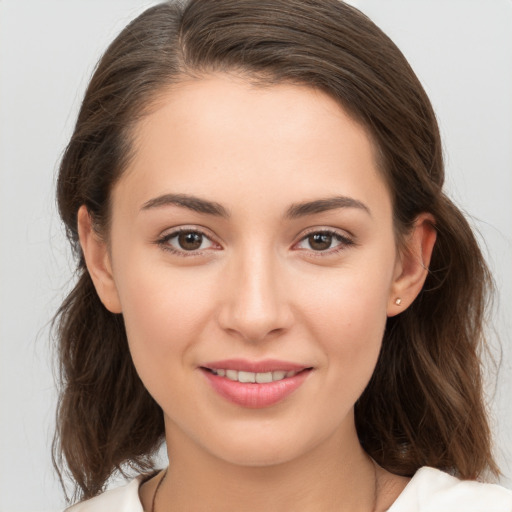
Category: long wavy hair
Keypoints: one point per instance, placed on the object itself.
(424, 404)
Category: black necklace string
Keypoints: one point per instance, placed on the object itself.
(157, 489)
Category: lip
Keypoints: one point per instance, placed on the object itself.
(266, 365)
(255, 395)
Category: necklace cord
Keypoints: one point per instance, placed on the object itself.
(375, 485)
(157, 489)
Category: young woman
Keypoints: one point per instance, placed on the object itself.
(270, 277)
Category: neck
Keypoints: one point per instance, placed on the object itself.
(335, 475)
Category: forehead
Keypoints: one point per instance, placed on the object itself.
(221, 134)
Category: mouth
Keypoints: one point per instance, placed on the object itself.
(254, 377)
(255, 384)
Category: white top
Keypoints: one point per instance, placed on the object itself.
(430, 490)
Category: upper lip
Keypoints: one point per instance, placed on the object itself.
(264, 366)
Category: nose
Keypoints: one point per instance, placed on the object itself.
(255, 305)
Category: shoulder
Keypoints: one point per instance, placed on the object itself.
(431, 490)
(120, 499)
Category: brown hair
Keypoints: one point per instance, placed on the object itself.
(424, 404)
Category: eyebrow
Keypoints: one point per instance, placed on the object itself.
(186, 201)
(295, 211)
(323, 205)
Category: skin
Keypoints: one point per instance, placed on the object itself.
(257, 289)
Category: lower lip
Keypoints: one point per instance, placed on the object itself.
(253, 395)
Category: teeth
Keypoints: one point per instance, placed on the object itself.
(232, 374)
(252, 377)
(246, 377)
(262, 378)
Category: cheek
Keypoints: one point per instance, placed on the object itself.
(348, 316)
(163, 313)
(348, 302)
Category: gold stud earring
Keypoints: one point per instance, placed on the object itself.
(398, 301)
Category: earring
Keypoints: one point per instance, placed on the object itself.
(398, 301)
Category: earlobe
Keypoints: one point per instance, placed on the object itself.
(413, 265)
(98, 262)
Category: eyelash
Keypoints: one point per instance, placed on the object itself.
(344, 242)
(164, 240)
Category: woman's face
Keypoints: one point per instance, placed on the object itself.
(251, 240)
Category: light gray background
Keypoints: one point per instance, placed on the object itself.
(462, 52)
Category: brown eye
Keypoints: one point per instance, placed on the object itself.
(324, 242)
(187, 242)
(190, 240)
(320, 241)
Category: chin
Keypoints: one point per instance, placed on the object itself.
(256, 457)
(265, 447)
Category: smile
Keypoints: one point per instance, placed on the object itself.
(255, 385)
(253, 377)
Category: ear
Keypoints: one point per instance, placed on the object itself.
(412, 266)
(97, 259)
